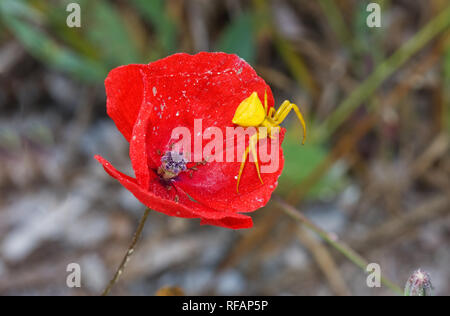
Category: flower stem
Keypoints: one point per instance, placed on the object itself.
(128, 254)
(348, 252)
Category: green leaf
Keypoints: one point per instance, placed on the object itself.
(446, 83)
(18, 8)
(107, 31)
(300, 161)
(43, 47)
(238, 38)
(154, 11)
(74, 38)
(447, 63)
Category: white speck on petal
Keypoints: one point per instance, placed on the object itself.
(154, 91)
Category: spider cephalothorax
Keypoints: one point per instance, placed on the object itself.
(252, 113)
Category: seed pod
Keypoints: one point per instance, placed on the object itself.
(419, 284)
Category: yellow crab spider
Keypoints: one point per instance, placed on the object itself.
(251, 112)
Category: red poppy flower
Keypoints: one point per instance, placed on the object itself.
(147, 102)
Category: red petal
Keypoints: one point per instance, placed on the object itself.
(140, 159)
(229, 222)
(209, 86)
(184, 87)
(173, 92)
(124, 92)
(215, 184)
(166, 204)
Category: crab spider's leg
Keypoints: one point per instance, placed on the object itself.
(241, 168)
(274, 131)
(252, 144)
(282, 115)
(302, 121)
(251, 148)
(276, 114)
(299, 115)
(284, 108)
(271, 112)
(265, 102)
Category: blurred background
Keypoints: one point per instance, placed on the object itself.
(374, 173)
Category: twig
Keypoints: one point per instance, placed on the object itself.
(432, 208)
(339, 246)
(336, 21)
(325, 261)
(382, 72)
(128, 254)
(346, 143)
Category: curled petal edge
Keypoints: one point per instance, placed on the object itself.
(172, 208)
